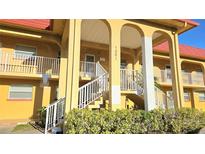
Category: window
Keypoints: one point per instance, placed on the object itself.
(25, 50)
(89, 58)
(89, 65)
(201, 96)
(186, 96)
(20, 91)
(123, 64)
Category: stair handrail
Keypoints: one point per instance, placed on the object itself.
(131, 80)
(166, 104)
(169, 100)
(138, 85)
(93, 90)
(100, 69)
(54, 114)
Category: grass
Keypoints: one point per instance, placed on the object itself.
(22, 128)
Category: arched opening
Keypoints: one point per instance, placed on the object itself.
(94, 61)
(192, 73)
(131, 80)
(192, 76)
(162, 46)
(95, 41)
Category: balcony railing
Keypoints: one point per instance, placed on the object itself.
(193, 78)
(188, 78)
(165, 76)
(20, 63)
(131, 80)
(87, 69)
(163, 100)
(91, 69)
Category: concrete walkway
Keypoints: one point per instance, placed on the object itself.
(8, 127)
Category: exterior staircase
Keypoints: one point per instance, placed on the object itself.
(132, 80)
(54, 114)
(91, 94)
(94, 94)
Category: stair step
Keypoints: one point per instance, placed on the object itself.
(96, 104)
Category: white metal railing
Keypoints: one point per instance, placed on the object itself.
(162, 100)
(91, 69)
(20, 63)
(54, 114)
(187, 77)
(131, 80)
(193, 78)
(165, 76)
(87, 69)
(99, 69)
(93, 90)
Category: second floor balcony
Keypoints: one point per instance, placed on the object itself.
(89, 70)
(28, 64)
(188, 78)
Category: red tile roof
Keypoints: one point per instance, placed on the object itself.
(185, 51)
(33, 23)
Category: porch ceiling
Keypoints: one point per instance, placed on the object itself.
(97, 31)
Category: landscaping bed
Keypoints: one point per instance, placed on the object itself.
(180, 121)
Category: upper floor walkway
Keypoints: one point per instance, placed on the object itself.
(24, 65)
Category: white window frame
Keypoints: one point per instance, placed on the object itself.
(188, 97)
(122, 66)
(90, 71)
(89, 55)
(20, 85)
(203, 99)
(24, 52)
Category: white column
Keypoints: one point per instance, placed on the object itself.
(147, 61)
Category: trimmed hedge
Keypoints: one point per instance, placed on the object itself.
(134, 121)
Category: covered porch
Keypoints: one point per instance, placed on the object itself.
(119, 46)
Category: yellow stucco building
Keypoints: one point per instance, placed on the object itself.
(112, 64)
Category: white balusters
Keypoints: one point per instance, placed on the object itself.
(54, 114)
(20, 63)
(92, 90)
(131, 80)
(87, 69)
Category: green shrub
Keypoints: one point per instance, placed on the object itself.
(134, 121)
(42, 116)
